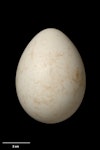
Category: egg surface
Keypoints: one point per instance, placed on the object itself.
(50, 77)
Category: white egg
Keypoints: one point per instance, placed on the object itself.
(50, 77)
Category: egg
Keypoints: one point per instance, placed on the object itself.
(50, 77)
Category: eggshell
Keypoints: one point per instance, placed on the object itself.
(50, 77)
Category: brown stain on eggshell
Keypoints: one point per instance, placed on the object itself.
(59, 54)
(78, 76)
(37, 101)
(43, 101)
(79, 79)
(53, 57)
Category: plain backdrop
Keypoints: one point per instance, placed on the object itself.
(19, 24)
